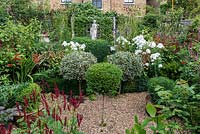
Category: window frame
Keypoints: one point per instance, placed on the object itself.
(129, 2)
(96, 1)
(65, 1)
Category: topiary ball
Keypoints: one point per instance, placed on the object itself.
(104, 78)
(75, 64)
(129, 63)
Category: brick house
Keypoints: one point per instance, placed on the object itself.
(120, 6)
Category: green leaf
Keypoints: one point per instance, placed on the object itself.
(151, 109)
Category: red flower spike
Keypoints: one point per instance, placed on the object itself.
(28, 122)
(56, 90)
(34, 95)
(62, 93)
(54, 113)
(50, 131)
(18, 109)
(2, 129)
(39, 123)
(26, 102)
(31, 98)
(60, 109)
(71, 93)
(65, 102)
(25, 117)
(65, 121)
(68, 107)
(79, 119)
(52, 97)
(10, 126)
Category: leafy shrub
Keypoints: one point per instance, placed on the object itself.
(164, 82)
(160, 123)
(130, 64)
(16, 92)
(99, 48)
(19, 36)
(151, 20)
(103, 78)
(181, 101)
(75, 64)
(85, 13)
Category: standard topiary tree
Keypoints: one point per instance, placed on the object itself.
(75, 64)
(129, 63)
(104, 78)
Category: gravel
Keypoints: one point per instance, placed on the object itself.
(119, 113)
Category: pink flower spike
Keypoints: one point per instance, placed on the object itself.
(79, 118)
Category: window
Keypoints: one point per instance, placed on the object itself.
(128, 1)
(65, 1)
(97, 3)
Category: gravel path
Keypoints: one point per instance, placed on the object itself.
(119, 113)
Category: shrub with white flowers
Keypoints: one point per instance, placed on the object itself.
(122, 44)
(73, 46)
(148, 50)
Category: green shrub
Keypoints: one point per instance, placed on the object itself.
(25, 90)
(85, 13)
(16, 92)
(164, 82)
(151, 20)
(104, 78)
(129, 63)
(99, 48)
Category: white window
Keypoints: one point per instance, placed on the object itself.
(129, 1)
(65, 1)
(97, 3)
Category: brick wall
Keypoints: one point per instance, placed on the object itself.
(107, 5)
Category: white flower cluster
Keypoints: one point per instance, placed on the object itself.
(73, 46)
(121, 43)
(122, 40)
(139, 41)
(146, 48)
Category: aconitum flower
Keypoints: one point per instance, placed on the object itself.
(160, 45)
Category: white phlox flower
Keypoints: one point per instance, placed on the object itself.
(138, 52)
(152, 44)
(148, 51)
(64, 44)
(160, 45)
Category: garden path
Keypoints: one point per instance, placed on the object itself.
(119, 113)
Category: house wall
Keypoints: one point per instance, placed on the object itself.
(107, 5)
